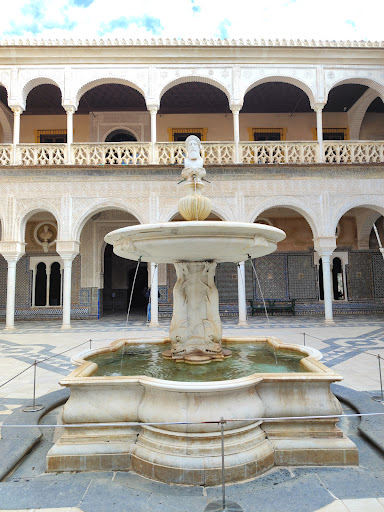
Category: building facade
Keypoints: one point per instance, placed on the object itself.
(92, 140)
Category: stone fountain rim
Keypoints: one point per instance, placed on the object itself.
(83, 374)
(197, 228)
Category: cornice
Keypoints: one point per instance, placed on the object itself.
(302, 43)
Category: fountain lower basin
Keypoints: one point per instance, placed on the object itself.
(191, 454)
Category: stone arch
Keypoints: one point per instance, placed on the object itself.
(375, 204)
(364, 228)
(357, 112)
(194, 78)
(35, 82)
(31, 209)
(104, 81)
(291, 203)
(6, 120)
(372, 84)
(283, 79)
(100, 206)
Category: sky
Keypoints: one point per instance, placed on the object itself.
(233, 19)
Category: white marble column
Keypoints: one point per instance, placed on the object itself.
(319, 127)
(242, 301)
(11, 290)
(153, 111)
(67, 292)
(17, 111)
(154, 295)
(12, 252)
(327, 286)
(67, 250)
(325, 246)
(236, 130)
(70, 111)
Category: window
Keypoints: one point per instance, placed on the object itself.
(55, 136)
(180, 134)
(264, 134)
(47, 281)
(333, 134)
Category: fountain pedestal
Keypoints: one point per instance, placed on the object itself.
(195, 331)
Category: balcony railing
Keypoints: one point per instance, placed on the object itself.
(173, 153)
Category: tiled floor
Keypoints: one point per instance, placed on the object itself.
(350, 346)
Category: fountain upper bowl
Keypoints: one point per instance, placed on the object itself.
(173, 242)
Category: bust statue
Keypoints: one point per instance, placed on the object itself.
(193, 163)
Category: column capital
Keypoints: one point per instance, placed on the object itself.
(67, 249)
(236, 107)
(317, 107)
(16, 109)
(12, 251)
(153, 107)
(325, 245)
(69, 109)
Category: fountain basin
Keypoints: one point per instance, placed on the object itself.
(191, 454)
(173, 242)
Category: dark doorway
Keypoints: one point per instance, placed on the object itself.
(337, 279)
(55, 285)
(118, 280)
(41, 285)
(121, 136)
(321, 285)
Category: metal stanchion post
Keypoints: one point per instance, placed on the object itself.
(304, 338)
(90, 344)
(380, 398)
(223, 505)
(34, 407)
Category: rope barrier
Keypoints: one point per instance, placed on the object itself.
(140, 424)
(42, 361)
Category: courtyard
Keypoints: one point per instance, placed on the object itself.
(350, 346)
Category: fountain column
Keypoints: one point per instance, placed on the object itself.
(241, 294)
(67, 250)
(325, 246)
(154, 295)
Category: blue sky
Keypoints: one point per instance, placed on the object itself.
(254, 19)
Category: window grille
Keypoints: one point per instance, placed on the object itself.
(180, 134)
(261, 134)
(54, 136)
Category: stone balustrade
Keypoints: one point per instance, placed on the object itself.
(173, 153)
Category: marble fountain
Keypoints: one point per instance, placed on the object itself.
(175, 391)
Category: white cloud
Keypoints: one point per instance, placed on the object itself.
(247, 19)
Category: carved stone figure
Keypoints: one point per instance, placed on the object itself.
(193, 163)
(196, 327)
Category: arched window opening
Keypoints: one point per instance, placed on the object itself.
(55, 285)
(337, 279)
(120, 136)
(41, 285)
(321, 286)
